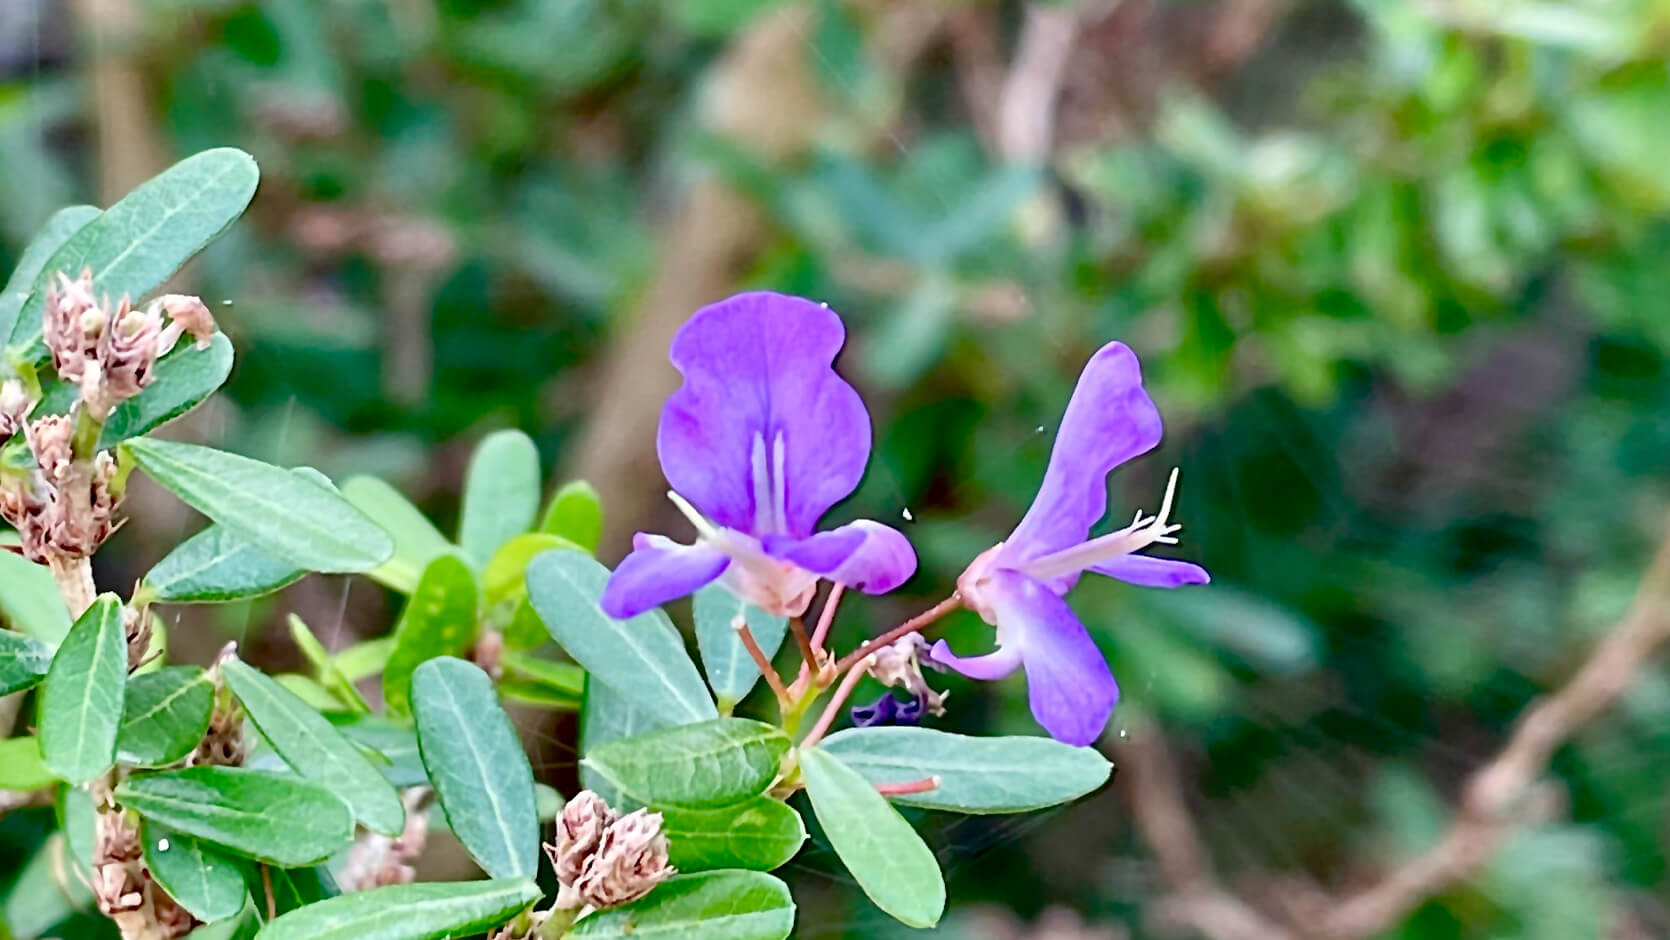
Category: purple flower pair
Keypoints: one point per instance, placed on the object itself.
(763, 438)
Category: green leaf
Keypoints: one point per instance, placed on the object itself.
(147, 235)
(165, 716)
(976, 775)
(24, 661)
(274, 818)
(503, 578)
(218, 565)
(563, 682)
(291, 516)
(730, 670)
(81, 699)
(29, 600)
(47, 891)
(416, 540)
(501, 494)
(576, 514)
(292, 887)
(315, 749)
(607, 715)
(243, 925)
(709, 764)
(363, 659)
(21, 767)
(439, 620)
(886, 857)
(325, 666)
(759, 834)
(58, 229)
(721, 905)
(395, 743)
(408, 912)
(182, 380)
(477, 766)
(643, 658)
(204, 881)
(717, 17)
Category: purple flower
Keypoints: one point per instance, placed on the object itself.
(1017, 585)
(759, 442)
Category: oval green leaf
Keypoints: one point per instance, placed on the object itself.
(643, 658)
(58, 229)
(165, 716)
(408, 912)
(315, 749)
(325, 666)
(182, 380)
(206, 882)
(759, 835)
(730, 670)
(503, 578)
(21, 767)
(477, 766)
(416, 540)
(976, 775)
(289, 515)
(563, 685)
(81, 698)
(501, 494)
(135, 245)
(886, 857)
(218, 565)
(721, 905)
(607, 715)
(575, 513)
(439, 620)
(714, 763)
(24, 661)
(274, 818)
(393, 745)
(29, 600)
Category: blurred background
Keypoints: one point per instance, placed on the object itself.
(1398, 271)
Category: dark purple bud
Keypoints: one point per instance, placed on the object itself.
(909, 712)
(877, 714)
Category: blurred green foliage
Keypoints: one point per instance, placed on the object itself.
(1399, 281)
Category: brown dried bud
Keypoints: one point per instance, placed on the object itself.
(190, 314)
(628, 864)
(580, 829)
(126, 356)
(137, 621)
(900, 665)
(14, 407)
(51, 439)
(72, 324)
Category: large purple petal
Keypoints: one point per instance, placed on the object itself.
(1072, 693)
(866, 555)
(1148, 571)
(762, 416)
(659, 570)
(1109, 420)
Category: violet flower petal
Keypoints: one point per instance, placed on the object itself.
(762, 417)
(994, 665)
(1148, 571)
(1068, 683)
(659, 570)
(866, 555)
(1109, 420)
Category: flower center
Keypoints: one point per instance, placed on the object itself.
(1141, 533)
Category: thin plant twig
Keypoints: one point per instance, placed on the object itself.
(842, 691)
(826, 615)
(766, 669)
(904, 629)
(906, 789)
(797, 625)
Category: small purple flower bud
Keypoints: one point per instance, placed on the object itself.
(900, 666)
(876, 714)
(628, 864)
(910, 712)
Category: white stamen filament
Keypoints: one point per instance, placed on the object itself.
(761, 480)
(779, 485)
(705, 529)
(1140, 534)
